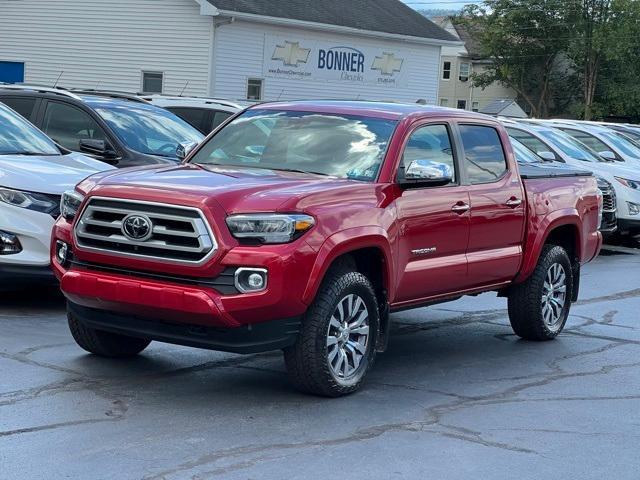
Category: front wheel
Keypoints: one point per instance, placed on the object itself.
(105, 344)
(539, 307)
(336, 346)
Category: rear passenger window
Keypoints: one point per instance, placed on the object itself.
(484, 157)
(431, 143)
(196, 117)
(23, 105)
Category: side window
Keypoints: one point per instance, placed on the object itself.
(531, 142)
(67, 125)
(484, 157)
(589, 140)
(23, 105)
(219, 117)
(431, 143)
(196, 117)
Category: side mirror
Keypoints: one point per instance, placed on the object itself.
(608, 155)
(424, 173)
(184, 149)
(99, 148)
(547, 155)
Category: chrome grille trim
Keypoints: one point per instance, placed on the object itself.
(180, 234)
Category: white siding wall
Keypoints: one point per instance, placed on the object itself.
(239, 55)
(108, 42)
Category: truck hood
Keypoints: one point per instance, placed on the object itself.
(48, 173)
(235, 189)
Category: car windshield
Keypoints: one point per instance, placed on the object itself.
(148, 129)
(570, 146)
(623, 144)
(343, 146)
(18, 136)
(523, 154)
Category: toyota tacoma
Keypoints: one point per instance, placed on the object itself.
(301, 226)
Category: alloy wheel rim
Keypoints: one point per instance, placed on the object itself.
(554, 296)
(348, 337)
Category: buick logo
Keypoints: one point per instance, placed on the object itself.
(137, 227)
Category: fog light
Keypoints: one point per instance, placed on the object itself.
(9, 244)
(634, 208)
(62, 251)
(248, 280)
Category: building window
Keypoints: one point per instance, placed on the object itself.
(462, 104)
(254, 89)
(444, 102)
(465, 69)
(446, 70)
(152, 82)
(475, 106)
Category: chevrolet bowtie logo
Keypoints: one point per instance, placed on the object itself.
(291, 54)
(387, 64)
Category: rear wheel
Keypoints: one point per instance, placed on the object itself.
(336, 346)
(105, 344)
(539, 307)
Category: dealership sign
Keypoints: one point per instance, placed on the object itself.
(313, 60)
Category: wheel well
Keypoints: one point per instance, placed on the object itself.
(371, 263)
(565, 236)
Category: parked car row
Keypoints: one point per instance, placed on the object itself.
(52, 138)
(612, 154)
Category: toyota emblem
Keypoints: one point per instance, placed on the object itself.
(137, 227)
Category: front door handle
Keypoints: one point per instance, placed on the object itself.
(513, 202)
(460, 208)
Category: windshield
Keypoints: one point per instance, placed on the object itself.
(17, 136)
(343, 146)
(148, 129)
(624, 145)
(523, 154)
(570, 146)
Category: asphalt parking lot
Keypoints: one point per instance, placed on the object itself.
(456, 396)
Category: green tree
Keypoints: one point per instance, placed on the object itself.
(525, 41)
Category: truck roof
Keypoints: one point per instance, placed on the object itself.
(386, 110)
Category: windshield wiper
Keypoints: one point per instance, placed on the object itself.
(295, 170)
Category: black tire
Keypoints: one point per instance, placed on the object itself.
(526, 311)
(105, 344)
(307, 361)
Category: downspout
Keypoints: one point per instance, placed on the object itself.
(217, 23)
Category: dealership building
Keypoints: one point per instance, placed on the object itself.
(235, 49)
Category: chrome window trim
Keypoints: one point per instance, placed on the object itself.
(151, 258)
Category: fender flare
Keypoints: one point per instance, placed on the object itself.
(343, 242)
(533, 247)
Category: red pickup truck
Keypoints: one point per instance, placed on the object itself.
(301, 226)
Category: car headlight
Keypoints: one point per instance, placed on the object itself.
(269, 228)
(29, 200)
(635, 184)
(70, 204)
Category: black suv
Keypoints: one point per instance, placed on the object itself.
(117, 128)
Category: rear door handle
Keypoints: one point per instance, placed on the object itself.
(460, 208)
(513, 202)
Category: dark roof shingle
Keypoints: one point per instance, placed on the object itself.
(388, 16)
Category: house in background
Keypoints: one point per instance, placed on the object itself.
(457, 63)
(504, 108)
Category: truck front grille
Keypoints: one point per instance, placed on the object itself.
(174, 233)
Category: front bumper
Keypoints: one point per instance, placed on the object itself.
(12, 275)
(628, 226)
(33, 230)
(263, 337)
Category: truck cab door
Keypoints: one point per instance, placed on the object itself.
(498, 207)
(433, 222)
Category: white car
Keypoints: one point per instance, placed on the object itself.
(34, 172)
(553, 144)
(205, 114)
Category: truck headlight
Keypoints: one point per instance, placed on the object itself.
(269, 228)
(635, 184)
(70, 204)
(29, 200)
